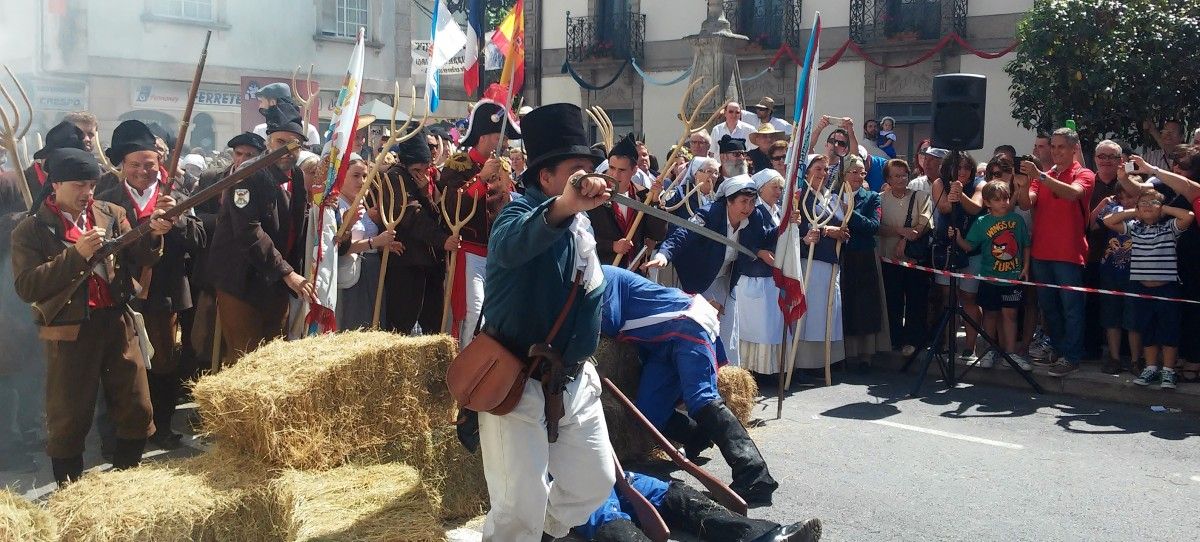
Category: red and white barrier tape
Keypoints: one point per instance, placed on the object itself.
(1038, 284)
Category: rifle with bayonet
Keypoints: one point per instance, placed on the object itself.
(48, 310)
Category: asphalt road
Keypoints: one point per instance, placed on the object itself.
(977, 463)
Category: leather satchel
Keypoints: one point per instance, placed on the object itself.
(487, 377)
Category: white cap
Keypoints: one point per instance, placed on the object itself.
(765, 176)
(736, 184)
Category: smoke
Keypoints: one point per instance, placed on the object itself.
(22, 362)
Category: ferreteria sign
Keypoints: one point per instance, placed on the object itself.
(420, 61)
(148, 94)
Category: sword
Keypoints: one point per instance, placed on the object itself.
(660, 214)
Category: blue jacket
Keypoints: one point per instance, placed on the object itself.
(698, 259)
(530, 268)
(764, 238)
(864, 220)
(629, 296)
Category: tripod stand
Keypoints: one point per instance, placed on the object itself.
(941, 346)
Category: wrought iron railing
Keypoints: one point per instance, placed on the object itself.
(769, 23)
(620, 36)
(903, 20)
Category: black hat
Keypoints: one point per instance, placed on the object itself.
(63, 135)
(626, 148)
(731, 144)
(413, 151)
(66, 164)
(248, 138)
(486, 118)
(163, 134)
(130, 136)
(552, 133)
(285, 117)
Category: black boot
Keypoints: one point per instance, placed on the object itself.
(682, 429)
(66, 470)
(128, 453)
(164, 390)
(751, 479)
(620, 530)
(801, 531)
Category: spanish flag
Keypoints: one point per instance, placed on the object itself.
(510, 38)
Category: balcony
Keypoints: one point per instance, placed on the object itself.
(876, 21)
(768, 23)
(617, 36)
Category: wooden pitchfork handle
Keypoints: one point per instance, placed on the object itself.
(456, 227)
(387, 200)
(721, 492)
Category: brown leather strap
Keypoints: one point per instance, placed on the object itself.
(562, 315)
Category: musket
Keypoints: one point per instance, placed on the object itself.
(647, 515)
(721, 492)
(177, 152)
(50, 308)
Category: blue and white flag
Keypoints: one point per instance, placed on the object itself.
(447, 40)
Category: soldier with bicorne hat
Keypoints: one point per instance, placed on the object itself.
(93, 341)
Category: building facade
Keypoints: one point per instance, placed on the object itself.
(598, 37)
(123, 59)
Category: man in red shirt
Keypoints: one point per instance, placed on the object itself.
(1060, 221)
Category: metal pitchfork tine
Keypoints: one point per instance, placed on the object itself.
(604, 124)
(689, 122)
(14, 129)
(456, 227)
(304, 102)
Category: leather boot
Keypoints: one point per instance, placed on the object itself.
(164, 390)
(801, 531)
(66, 470)
(620, 530)
(751, 479)
(682, 429)
(128, 453)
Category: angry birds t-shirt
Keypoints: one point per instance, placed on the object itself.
(1002, 241)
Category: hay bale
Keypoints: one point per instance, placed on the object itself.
(23, 520)
(385, 502)
(323, 401)
(457, 476)
(217, 496)
(619, 362)
(739, 389)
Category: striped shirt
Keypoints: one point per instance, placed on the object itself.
(1153, 256)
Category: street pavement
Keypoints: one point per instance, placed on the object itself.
(977, 463)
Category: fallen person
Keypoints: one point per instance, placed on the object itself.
(685, 509)
(676, 336)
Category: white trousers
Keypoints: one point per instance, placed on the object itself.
(518, 462)
(475, 273)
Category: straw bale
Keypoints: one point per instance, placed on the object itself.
(457, 475)
(323, 401)
(23, 520)
(739, 389)
(619, 362)
(217, 496)
(385, 502)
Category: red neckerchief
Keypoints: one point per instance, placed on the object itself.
(142, 213)
(286, 185)
(625, 217)
(99, 296)
(41, 173)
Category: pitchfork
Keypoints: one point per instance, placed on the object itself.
(689, 125)
(456, 226)
(305, 103)
(604, 124)
(14, 129)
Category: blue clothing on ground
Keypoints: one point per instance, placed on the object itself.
(617, 507)
(530, 268)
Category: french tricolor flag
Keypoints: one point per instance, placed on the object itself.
(475, 18)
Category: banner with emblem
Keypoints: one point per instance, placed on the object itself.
(321, 258)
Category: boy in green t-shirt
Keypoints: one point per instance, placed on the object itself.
(1006, 257)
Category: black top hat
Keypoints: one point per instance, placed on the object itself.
(285, 117)
(415, 150)
(130, 136)
(486, 118)
(731, 144)
(626, 147)
(553, 133)
(63, 135)
(248, 138)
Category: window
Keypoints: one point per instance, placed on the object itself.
(349, 15)
(192, 10)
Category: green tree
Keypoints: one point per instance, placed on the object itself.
(1107, 64)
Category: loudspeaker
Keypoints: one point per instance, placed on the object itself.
(958, 107)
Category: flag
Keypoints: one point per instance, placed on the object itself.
(321, 256)
(475, 18)
(512, 32)
(788, 273)
(446, 40)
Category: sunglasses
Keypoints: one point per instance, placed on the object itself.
(838, 142)
(779, 158)
(737, 154)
